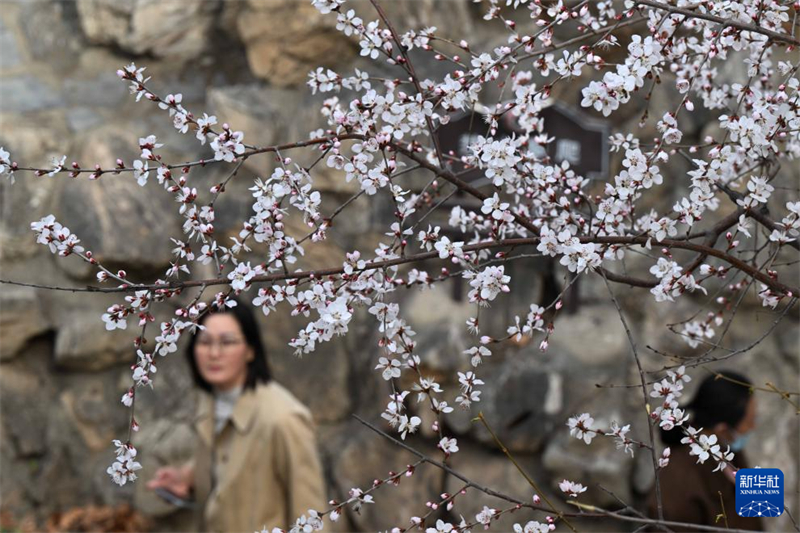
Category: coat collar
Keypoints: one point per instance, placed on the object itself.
(244, 410)
(242, 417)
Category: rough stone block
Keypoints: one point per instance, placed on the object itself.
(82, 343)
(164, 29)
(21, 318)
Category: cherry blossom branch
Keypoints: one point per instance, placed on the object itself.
(767, 222)
(99, 171)
(433, 508)
(735, 310)
(57, 288)
(449, 470)
(595, 512)
(583, 37)
(702, 361)
(221, 187)
(668, 243)
(712, 235)
(563, 207)
(775, 36)
(410, 68)
(759, 215)
(393, 477)
(742, 293)
(628, 280)
(770, 387)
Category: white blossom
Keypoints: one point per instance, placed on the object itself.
(448, 445)
(125, 466)
(5, 165)
(571, 489)
(241, 276)
(228, 145)
(580, 427)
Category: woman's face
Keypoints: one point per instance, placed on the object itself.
(734, 435)
(222, 353)
(748, 422)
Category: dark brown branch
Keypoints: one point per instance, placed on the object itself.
(202, 162)
(713, 234)
(376, 265)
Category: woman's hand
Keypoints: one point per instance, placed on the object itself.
(177, 480)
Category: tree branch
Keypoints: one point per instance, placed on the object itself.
(775, 36)
(376, 265)
(642, 379)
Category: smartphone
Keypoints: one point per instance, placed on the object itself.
(177, 501)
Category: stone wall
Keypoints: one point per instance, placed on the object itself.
(61, 373)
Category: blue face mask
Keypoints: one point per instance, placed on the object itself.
(739, 442)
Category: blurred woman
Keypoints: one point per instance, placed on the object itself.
(693, 492)
(256, 460)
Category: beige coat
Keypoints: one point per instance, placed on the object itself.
(262, 469)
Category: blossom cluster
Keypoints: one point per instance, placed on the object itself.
(125, 466)
(704, 446)
(59, 239)
(669, 415)
(673, 282)
(644, 57)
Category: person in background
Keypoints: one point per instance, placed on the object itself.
(256, 462)
(693, 492)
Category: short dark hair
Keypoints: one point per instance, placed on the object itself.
(721, 397)
(257, 369)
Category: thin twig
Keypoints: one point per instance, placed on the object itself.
(651, 434)
(521, 470)
(439, 464)
(722, 505)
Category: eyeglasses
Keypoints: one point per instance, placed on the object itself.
(226, 344)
